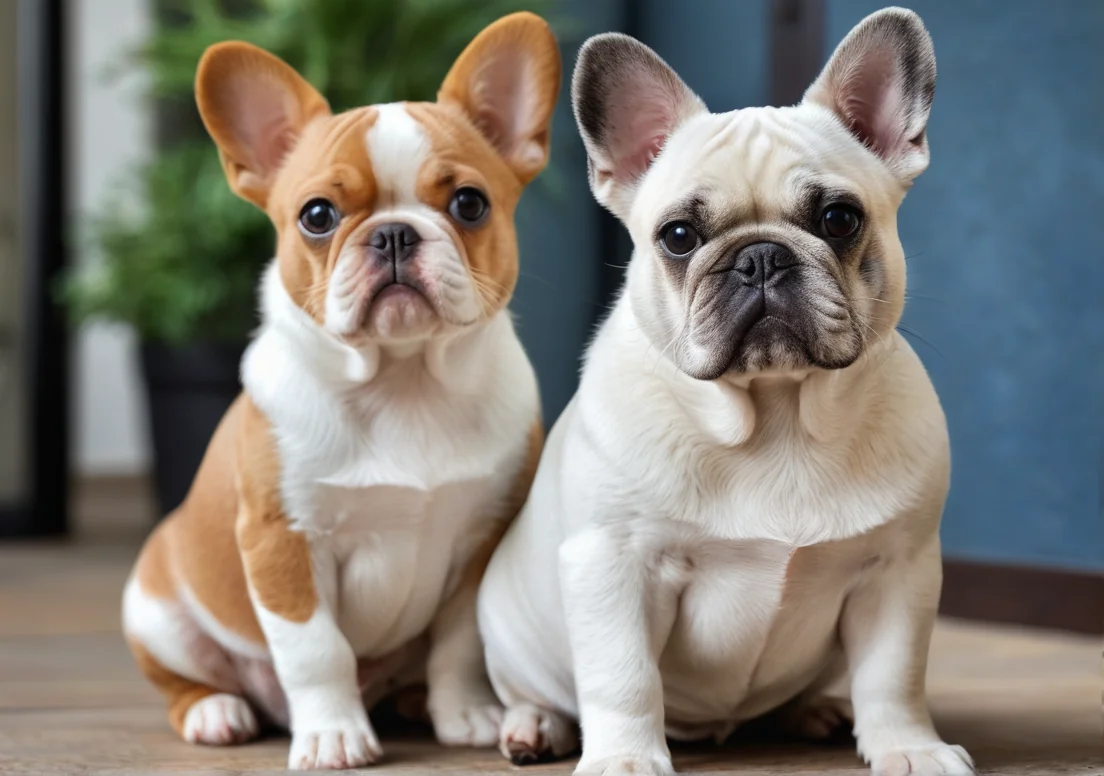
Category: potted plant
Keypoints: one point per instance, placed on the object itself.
(181, 263)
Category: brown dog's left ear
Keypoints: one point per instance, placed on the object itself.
(507, 81)
(254, 106)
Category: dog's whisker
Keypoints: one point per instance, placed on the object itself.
(905, 330)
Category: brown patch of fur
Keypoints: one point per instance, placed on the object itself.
(153, 569)
(462, 157)
(331, 162)
(277, 559)
(219, 535)
(202, 547)
(180, 693)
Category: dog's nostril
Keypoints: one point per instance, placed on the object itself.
(395, 241)
(782, 259)
(745, 265)
(759, 262)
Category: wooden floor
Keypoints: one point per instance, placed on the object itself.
(72, 702)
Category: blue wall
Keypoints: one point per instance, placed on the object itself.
(1005, 233)
(560, 290)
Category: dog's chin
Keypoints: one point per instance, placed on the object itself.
(772, 347)
(398, 313)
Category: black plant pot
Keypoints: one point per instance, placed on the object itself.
(189, 388)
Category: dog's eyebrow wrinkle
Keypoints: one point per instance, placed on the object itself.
(692, 209)
(724, 131)
(342, 127)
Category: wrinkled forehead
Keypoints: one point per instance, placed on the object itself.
(388, 155)
(762, 161)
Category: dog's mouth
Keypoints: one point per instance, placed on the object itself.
(732, 327)
(397, 291)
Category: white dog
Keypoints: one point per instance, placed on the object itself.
(742, 502)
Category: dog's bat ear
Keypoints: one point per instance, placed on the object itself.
(507, 81)
(627, 102)
(254, 106)
(880, 82)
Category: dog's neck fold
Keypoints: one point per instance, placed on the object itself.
(823, 404)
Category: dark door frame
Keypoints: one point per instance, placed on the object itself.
(42, 120)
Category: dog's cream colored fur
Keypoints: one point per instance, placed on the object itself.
(696, 553)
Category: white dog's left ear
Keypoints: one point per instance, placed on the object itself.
(880, 82)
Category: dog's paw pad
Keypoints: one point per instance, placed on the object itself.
(346, 746)
(530, 735)
(219, 720)
(471, 726)
(939, 760)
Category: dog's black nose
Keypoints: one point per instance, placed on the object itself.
(395, 241)
(762, 262)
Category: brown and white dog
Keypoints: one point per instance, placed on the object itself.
(332, 542)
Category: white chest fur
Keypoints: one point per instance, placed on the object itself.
(754, 517)
(395, 463)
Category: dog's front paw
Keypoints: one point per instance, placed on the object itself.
(936, 760)
(475, 724)
(349, 745)
(627, 766)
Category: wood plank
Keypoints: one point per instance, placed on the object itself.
(71, 700)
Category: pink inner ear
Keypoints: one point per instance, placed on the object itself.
(506, 106)
(638, 129)
(870, 99)
(264, 114)
(499, 100)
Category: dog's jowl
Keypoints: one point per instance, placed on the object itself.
(746, 491)
(330, 549)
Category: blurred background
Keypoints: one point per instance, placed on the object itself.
(127, 269)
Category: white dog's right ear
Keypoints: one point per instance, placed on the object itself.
(627, 102)
(880, 82)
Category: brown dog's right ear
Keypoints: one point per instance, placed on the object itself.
(255, 107)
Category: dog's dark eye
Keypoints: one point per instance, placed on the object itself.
(679, 240)
(469, 206)
(839, 221)
(318, 217)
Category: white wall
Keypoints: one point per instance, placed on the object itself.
(110, 130)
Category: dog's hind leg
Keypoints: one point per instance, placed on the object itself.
(193, 672)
